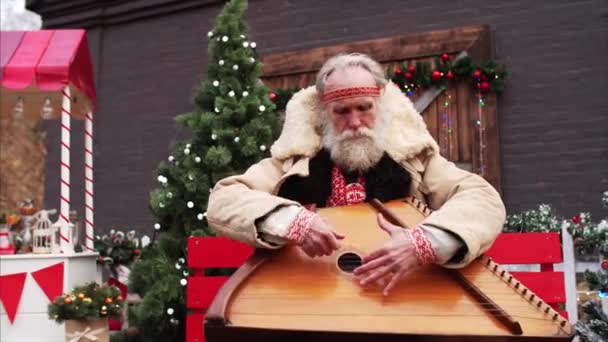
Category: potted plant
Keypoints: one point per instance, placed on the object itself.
(85, 311)
(118, 250)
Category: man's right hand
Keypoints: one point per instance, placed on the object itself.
(319, 238)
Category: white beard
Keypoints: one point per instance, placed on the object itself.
(353, 150)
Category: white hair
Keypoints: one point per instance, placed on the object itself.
(342, 61)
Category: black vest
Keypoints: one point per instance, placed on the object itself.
(385, 181)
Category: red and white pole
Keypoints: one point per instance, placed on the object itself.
(65, 243)
(88, 181)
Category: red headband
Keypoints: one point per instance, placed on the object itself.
(345, 93)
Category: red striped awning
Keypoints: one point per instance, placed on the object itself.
(47, 60)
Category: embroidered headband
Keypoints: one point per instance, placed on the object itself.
(345, 93)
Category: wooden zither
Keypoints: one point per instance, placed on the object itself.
(286, 296)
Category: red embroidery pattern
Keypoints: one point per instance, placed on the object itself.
(300, 226)
(424, 249)
(343, 194)
(345, 93)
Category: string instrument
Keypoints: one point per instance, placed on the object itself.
(284, 295)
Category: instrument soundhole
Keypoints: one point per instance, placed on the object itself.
(347, 262)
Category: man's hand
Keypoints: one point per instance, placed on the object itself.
(394, 261)
(320, 239)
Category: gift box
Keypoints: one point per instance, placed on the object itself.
(87, 331)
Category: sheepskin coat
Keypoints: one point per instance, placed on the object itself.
(464, 203)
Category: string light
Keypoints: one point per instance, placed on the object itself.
(479, 122)
(446, 125)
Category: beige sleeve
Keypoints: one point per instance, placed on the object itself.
(239, 203)
(276, 225)
(444, 244)
(464, 204)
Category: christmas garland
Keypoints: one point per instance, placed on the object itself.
(409, 77)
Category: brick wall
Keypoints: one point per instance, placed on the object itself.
(553, 122)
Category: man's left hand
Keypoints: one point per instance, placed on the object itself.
(394, 261)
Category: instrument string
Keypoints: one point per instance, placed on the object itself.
(486, 307)
(329, 314)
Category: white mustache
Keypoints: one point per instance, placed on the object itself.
(355, 134)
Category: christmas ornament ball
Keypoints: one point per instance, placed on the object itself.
(132, 331)
(484, 86)
(436, 75)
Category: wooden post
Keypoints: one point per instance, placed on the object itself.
(569, 275)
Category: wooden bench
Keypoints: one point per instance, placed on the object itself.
(206, 253)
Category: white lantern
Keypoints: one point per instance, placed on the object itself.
(44, 237)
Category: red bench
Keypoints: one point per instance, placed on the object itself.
(206, 253)
(534, 248)
(509, 248)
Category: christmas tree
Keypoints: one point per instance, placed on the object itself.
(233, 125)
